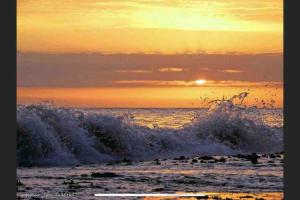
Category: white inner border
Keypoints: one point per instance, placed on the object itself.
(149, 195)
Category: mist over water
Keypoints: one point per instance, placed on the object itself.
(59, 136)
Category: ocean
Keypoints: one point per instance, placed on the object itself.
(228, 147)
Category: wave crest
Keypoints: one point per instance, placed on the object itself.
(60, 136)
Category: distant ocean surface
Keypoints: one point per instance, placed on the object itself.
(178, 117)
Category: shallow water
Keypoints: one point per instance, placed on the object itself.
(188, 175)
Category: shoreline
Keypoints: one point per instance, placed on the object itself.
(252, 176)
(254, 157)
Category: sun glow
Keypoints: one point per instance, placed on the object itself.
(167, 27)
(200, 82)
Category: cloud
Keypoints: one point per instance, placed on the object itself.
(204, 83)
(231, 71)
(172, 69)
(134, 71)
(100, 70)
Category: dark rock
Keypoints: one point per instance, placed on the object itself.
(272, 156)
(84, 175)
(261, 179)
(253, 158)
(202, 197)
(126, 160)
(74, 186)
(97, 186)
(157, 161)
(158, 189)
(185, 181)
(246, 197)
(66, 182)
(206, 158)
(128, 163)
(19, 183)
(181, 158)
(104, 175)
(109, 164)
(240, 156)
(194, 160)
(222, 159)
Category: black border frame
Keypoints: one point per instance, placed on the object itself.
(8, 45)
(8, 48)
(291, 100)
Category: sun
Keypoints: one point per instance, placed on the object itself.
(200, 82)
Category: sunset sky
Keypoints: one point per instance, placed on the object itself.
(108, 53)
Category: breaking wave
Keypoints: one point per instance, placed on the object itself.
(60, 136)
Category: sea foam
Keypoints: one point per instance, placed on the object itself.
(50, 136)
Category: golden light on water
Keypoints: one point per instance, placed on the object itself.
(227, 195)
(145, 97)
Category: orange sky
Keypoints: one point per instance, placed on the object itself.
(156, 44)
(165, 26)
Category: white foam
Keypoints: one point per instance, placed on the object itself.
(59, 136)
